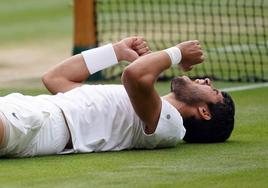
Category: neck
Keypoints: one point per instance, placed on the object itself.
(184, 109)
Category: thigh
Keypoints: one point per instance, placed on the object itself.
(50, 138)
(53, 137)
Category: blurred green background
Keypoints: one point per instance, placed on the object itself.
(34, 35)
(35, 21)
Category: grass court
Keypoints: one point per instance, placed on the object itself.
(240, 162)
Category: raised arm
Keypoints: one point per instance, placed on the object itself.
(73, 71)
(139, 78)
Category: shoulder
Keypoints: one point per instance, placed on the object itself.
(170, 113)
(169, 130)
(170, 119)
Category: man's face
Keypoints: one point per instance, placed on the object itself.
(195, 92)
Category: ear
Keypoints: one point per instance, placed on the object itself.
(204, 112)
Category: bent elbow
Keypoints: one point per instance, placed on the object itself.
(136, 78)
(50, 82)
(46, 79)
(128, 75)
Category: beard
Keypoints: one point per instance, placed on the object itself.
(185, 91)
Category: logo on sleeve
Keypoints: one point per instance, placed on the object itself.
(14, 114)
(168, 116)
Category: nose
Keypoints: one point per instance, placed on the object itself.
(205, 81)
(208, 81)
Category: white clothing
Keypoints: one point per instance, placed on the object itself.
(101, 118)
(33, 126)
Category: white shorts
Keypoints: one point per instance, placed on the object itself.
(51, 138)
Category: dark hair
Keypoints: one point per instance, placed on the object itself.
(217, 129)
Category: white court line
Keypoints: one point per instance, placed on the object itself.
(247, 87)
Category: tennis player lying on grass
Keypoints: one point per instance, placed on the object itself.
(82, 118)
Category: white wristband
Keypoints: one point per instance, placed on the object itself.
(174, 54)
(100, 58)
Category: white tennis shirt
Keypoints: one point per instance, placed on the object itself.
(101, 118)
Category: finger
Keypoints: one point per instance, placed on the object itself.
(196, 42)
(146, 53)
(199, 46)
(138, 41)
(140, 46)
(143, 50)
(202, 58)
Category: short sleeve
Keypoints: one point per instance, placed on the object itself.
(169, 130)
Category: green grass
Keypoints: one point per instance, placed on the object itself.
(33, 21)
(240, 162)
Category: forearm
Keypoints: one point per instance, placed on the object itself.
(144, 71)
(138, 79)
(147, 69)
(76, 69)
(73, 71)
(66, 75)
